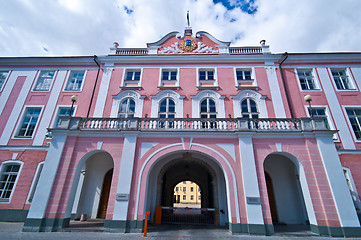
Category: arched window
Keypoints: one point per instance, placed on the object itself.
(249, 108)
(208, 108)
(166, 108)
(126, 108)
(9, 173)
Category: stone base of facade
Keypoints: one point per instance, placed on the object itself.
(257, 229)
(123, 226)
(11, 215)
(45, 224)
(336, 231)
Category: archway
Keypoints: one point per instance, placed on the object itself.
(285, 193)
(193, 166)
(93, 173)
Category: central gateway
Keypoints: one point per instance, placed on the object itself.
(193, 166)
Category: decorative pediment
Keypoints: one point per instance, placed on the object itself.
(202, 43)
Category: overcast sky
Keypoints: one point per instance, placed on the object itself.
(88, 27)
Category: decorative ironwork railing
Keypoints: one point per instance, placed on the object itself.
(245, 50)
(193, 124)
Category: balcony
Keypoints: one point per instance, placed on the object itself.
(193, 124)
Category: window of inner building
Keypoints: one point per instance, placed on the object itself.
(3, 76)
(126, 108)
(206, 75)
(306, 78)
(341, 79)
(184, 189)
(208, 108)
(192, 197)
(75, 81)
(167, 108)
(29, 122)
(354, 116)
(169, 75)
(9, 173)
(184, 198)
(245, 74)
(249, 108)
(63, 112)
(132, 75)
(45, 80)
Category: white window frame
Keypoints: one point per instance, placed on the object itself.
(198, 98)
(68, 77)
(249, 112)
(51, 84)
(253, 79)
(315, 79)
(124, 81)
(17, 176)
(5, 80)
(56, 115)
(21, 119)
(176, 81)
(117, 99)
(255, 96)
(214, 80)
(355, 197)
(35, 182)
(344, 107)
(127, 113)
(349, 77)
(175, 96)
(328, 116)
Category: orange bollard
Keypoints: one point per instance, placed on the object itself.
(146, 223)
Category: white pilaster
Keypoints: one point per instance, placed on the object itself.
(341, 194)
(336, 110)
(103, 89)
(125, 177)
(47, 177)
(250, 180)
(275, 92)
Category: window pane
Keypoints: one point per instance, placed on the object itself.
(244, 106)
(29, 122)
(253, 106)
(163, 106)
(165, 76)
(129, 76)
(202, 75)
(8, 178)
(204, 105)
(171, 106)
(137, 76)
(239, 75)
(212, 106)
(3, 76)
(247, 75)
(173, 76)
(210, 75)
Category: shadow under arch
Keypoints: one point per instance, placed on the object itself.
(290, 190)
(87, 184)
(169, 169)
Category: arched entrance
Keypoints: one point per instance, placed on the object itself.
(91, 186)
(193, 166)
(286, 196)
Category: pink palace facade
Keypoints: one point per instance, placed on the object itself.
(187, 107)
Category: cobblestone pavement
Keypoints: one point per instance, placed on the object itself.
(12, 231)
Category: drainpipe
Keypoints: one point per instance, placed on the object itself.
(96, 60)
(283, 59)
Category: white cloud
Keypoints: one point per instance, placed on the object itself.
(87, 27)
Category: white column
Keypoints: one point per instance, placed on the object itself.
(250, 180)
(104, 86)
(47, 177)
(341, 194)
(275, 92)
(125, 177)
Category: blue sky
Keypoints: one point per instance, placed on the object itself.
(88, 27)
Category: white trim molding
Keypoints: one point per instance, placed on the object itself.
(178, 100)
(138, 99)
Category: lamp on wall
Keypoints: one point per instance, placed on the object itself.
(308, 98)
(73, 100)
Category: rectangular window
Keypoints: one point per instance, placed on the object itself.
(192, 197)
(184, 182)
(44, 81)
(63, 112)
(29, 122)
(9, 173)
(355, 119)
(206, 75)
(169, 75)
(177, 189)
(192, 189)
(184, 189)
(244, 74)
(306, 79)
(184, 197)
(3, 76)
(75, 81)
(320, 112)
(342, 81)
(133, 75)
